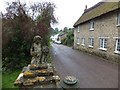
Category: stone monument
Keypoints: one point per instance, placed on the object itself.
(45, 51)
(39, 73)
(36, 51)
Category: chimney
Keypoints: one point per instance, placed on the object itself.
(85, 8)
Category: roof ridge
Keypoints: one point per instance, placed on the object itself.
(97, 10)
(96, 5)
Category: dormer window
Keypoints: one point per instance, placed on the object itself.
(78, 29)
(78, 40)
(118, 19)
(91, 25)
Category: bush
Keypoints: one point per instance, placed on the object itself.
(69, 40)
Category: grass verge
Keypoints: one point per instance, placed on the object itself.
(8, 79)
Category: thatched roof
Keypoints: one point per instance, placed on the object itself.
(97, 10)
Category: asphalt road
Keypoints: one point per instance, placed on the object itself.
(91, 71)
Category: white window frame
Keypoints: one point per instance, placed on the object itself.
(92, 24)
(78, 40)
(91, 42)
(118, 19)
(83, 41)
(103, 44)
(116, 45)
(78, 29)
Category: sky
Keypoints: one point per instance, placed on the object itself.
(67, 11)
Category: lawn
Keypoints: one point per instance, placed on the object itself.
(8, 79)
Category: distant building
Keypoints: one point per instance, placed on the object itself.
(62, 36)
(55, 37)
(97, 31)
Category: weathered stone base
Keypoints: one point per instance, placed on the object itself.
(103, 54)
(38, 76)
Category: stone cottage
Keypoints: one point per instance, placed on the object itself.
(97, 31)
(62, 36)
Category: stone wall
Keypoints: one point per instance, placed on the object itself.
(105, 26)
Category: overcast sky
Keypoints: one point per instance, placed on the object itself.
(67, 11)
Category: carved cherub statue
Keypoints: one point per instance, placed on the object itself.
(36, 51)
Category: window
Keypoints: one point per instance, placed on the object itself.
(117, 46)
(91, 42)
(92, 25)
(78, 29)
(103, 43)
(83, 41)
(118, 19)
(78, 40)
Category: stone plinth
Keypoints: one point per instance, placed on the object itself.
(34, 76)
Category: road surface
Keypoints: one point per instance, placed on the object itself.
(91, 71)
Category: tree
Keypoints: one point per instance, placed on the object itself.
(65, 29)
(17, 36)
(45, 19)
(54, 31)
(20, 25)
(69, 39)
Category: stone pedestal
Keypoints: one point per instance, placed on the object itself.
(38, 76)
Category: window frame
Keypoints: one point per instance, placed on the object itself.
(103, 43)
(91, 42)
(78, 29)
(78, 40)
(118, 19)
(83, 41)
(116, 45)
(92, 25)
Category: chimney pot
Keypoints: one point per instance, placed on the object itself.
(85, 8)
